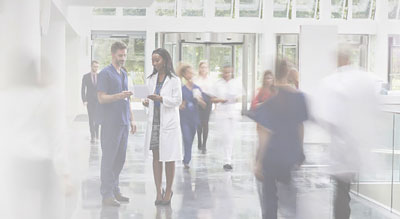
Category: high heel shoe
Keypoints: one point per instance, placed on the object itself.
(160, 202)
(169, 201)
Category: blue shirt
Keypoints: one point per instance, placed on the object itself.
(111, 82)
(190, 114)
(282, 114)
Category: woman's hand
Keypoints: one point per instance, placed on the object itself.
(155, 97)
(258, 171)
(145, 102)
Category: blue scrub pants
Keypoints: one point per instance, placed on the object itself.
(188, 133)
(114, 140)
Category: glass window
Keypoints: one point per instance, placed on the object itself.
(134, 12)
(358, 44)
(306, 8)
(104, 11)
(165, 7)
(393, 7)
(394, 62)
(135, 59)
(223, 8)
(192, 8)
(287, 48)
(192, 54)
(338, 8)
(249, 8)
(281, 8)
(362, 8)
(221, 55)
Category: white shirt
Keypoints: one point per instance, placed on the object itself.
(228, 90)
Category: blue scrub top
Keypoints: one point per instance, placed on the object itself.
(190, 114)
(282, 114)
(111, 82)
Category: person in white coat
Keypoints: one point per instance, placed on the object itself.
(163, 135)
(225, 94)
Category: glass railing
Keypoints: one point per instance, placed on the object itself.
(382, 186)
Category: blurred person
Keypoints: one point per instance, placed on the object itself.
(282, 117)
(192, 100)
(204, 82)
(115, 118)
(163, 134)
(293, 78)
(263, 94)
(225, 93)
(346, 107)
(89, 99)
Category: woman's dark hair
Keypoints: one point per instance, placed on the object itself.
(266, 73)
(169, 67)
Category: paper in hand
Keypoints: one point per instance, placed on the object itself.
(140, 91)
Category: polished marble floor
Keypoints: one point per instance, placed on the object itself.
(206, 191)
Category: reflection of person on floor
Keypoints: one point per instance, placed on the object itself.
(163, 134)
(192, 97)
(226, 92)
(204, 198)
(89, 98)
(263, 94)
(346, 106)
(115, 119)
(282, 116)
(204, 82)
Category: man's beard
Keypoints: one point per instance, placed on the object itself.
(121, 63)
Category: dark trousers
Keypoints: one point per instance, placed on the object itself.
(188, 133)
(114, 140)
(341, 205)
(94, 128)
(275, 178)
(202, 129)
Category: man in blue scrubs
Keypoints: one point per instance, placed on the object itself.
(115, 117)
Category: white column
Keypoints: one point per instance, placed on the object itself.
(20, 42)
(150, 47)
(267, 50)
(381, 45)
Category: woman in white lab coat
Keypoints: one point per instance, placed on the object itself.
(163, 134)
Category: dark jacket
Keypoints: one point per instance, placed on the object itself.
(89, 90)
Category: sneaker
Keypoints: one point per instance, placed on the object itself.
(111, 202)
(228, 167)
(119, 197)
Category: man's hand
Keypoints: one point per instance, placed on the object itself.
(133, 127)
(124, 94)
(145, 102)
(183, 105)
(155, 97)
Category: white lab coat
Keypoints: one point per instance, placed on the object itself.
(170, 128)
(346, 105)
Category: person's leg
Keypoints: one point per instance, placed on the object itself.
(342, 199)
(170, 174)
(121, 156)
(157, 172)
(270, 198)
(187, 142)
(228, 135)
(109, 147)
(205, 127)
(199, 135)
(90, 110)
(259, 185)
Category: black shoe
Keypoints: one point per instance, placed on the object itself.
(111, 202)
(167, 202)
(204, 151)
(160, 202)
(92, 141)
(228, 167)
(119, 197)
